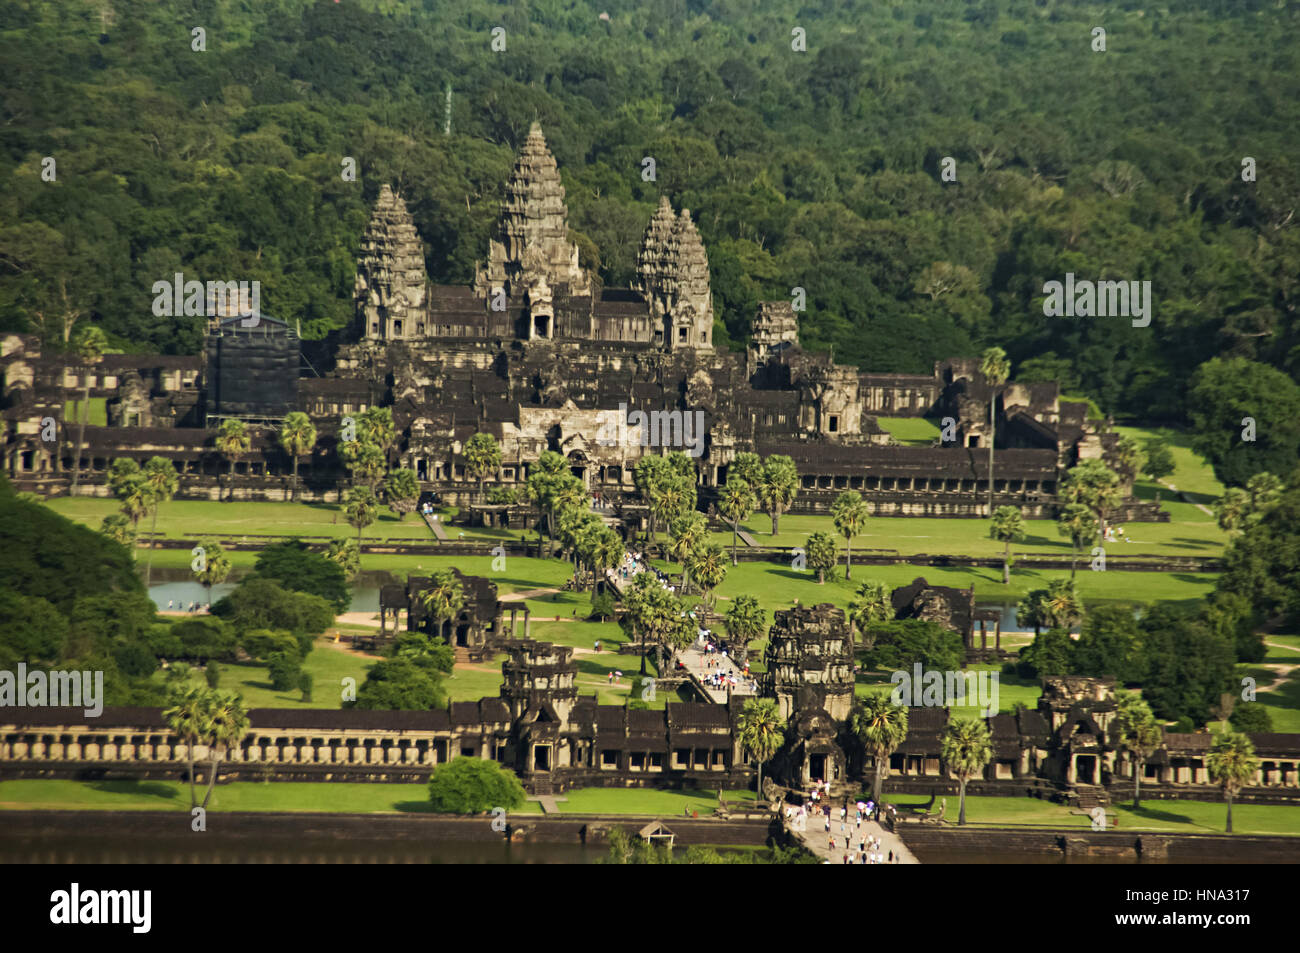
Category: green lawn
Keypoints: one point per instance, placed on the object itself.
(1191, 474)
(98, 412)
(1012, 689)
(1189, 533)
(338, 796)
(1192, 817)
(190, 518)
(328, 666)
(911, 431)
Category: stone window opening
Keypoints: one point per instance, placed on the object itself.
(609, 759)
(467, 751)
(833, 424)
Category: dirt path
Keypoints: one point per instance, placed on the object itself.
(528, 594)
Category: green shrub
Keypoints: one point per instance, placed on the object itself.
(467, 785)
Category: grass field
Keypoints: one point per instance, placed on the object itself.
(1012, 689)
(341, 796)
(1189, 533)
(354, 797)
(1190, 817)
(1192, 474)
(187, 519)
(911, 431)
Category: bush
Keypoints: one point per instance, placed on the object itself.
(472, 786)
(1251, 717)
(261, 644)
(602, 607)
(212, 674)
(262, 604)
(204, 639)
(1183, 726)
(898, 645)
(304, 684)
(283, 667)
(291, 565)
(135, 660)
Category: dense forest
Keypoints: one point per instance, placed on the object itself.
(819, 168)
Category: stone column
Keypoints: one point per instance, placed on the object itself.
(528, 624)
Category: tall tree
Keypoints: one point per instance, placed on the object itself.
(1079, 525)
(761, 732)
(1232, 765)
(212, 567)
(162, 482)
(881, 727)
(1008, 526)
(443, 599)
(819, 550)
(88, 347)
(707, 565)
(1139, 735)
(778, 487)
(849, 513)
(870, 606)
(403, 491)
(233, 442)
(967, 747)
(745, 621)
(1096, 486)
(736, 504)
(190, 719)
(996, 369)
(360, 510)
(297, 437)
(482, 459)
(689, 532)
(228, 722)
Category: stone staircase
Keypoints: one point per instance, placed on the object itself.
(462, 654)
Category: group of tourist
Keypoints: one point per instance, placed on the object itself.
(193, 606)
(869, 848)
(715, 670)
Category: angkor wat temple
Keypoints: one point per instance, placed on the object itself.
(538, 353)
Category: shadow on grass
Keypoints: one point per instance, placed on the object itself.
(137, 788)
(414, 807)
(1151, 814)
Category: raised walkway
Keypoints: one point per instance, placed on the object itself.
(436, 525)
(815, 838)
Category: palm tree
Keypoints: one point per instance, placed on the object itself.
(228, 723)
(604, 553)
(378, 430)
(120, 472)
(736, 504)
(778, 486)
(1008, 526)
(821, 555)
(1096, 486)
(996, 369)
(136, 499)
(967, 747)
(190, 720)
(666, 505)
(233, 442)
(366, 461)
(745, 621)
(1079, 525)
(118, 527)
(1139, 735)
(707, 565)
(870, 606)
(360, 510)
(761, 732)
(748, 468)
(89, 347)
(443, 600)
(482, 457)
(882, 727)
(297, 437)
(162, 482)
(1062, 607)
(403, 491)
(1232, 765)
(215, 566)
(1032, 610)
(689, 533)
(849, 512)
(344, 552)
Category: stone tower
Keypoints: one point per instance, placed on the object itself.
(652, 266)
(531, 255)
(690, 319)
(809, 667)
(391, 280)
(539, 675)
(775, 328)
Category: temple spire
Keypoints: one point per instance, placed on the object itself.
(391, 279)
